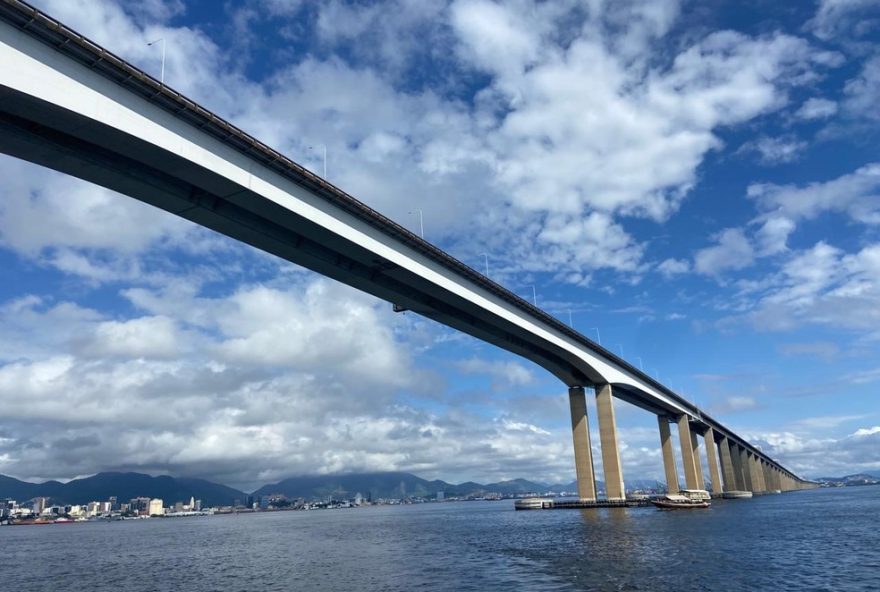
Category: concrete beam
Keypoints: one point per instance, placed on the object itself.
(687, 453)
(712, 460)
(672, 485)
(583, 453)
(614, 489)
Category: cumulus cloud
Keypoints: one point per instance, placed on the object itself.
(823, 286)
(772, 151)
(816, 108)
(816, 456)
(733, 251)
(862, 91)
(855, 194)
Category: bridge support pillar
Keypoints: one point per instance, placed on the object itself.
(687, 453)
(583, 452)
(746, 457)
(614, 489)
(738, 469)
(698, 462)
(672, 485)
(712, 460)
(757, 475)
(727, 465)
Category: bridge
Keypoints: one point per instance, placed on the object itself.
(70, 105)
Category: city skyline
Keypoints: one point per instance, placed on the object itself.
(697, 193)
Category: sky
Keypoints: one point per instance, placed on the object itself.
(696, 185)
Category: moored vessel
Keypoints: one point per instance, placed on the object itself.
(673, 501)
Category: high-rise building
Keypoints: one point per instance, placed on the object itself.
(40, 504)
(156, 507)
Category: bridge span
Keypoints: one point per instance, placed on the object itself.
(70, 105)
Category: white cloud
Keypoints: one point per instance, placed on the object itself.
(843, 20)
(673, 267)
(823, 286)
(861, 92)
(503, 374)
(814, 456)
(816, 108)
(856, 194)
(733, 251)
(775, 150)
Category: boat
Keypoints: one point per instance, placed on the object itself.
(533, 503)
(700, 495)
(677, 501)
(737, 495)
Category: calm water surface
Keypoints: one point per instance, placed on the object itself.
(811, 540)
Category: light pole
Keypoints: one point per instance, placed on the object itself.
(486, 258)
(640, 363)
(598, 337)
(421, 222)
(570, 322)
(324, 153)
(152, 43)
(620, 345)
(534, 297)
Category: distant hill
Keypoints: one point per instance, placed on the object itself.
(858, 478)
(390, 485)
(124, 486)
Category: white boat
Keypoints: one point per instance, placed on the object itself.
(700, 495)
(675, 501)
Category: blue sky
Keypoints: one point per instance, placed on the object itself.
(699, 182)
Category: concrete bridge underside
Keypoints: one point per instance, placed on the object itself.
(70, 105)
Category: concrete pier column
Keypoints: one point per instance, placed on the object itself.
(746, 469)
(727, 465)
(698, 463)
(614, 489)
(768, 476)
(757, 477)
(738, 472)
(672, 485)
(583, 453)
(712, 460)
(687, 453)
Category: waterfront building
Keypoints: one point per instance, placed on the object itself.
(156, 508)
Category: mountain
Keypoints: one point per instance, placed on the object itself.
(376, 485)
(860, 478)
(390, 485)
(124, 486)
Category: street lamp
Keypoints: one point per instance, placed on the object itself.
(640, 363)
(421, 223)
(598, 337)
(150, 44)
(534, 297)
(324, 153)
(486, 258)
(570, 322)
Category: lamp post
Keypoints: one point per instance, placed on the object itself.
(639, 358)
(421, 222)
(598, 337)
(152, 43)
(324, 154)
(486, 259)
